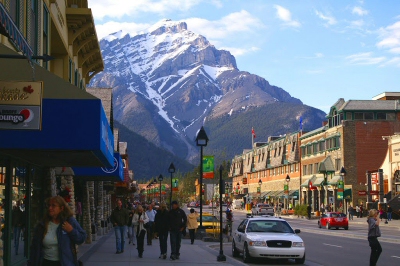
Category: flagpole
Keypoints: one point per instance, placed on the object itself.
(252, 138)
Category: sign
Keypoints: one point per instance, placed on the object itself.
(286, 188)
(114, 173)
(374, 178)
(340, 190)
(362, 193)
(374, 192)
(258, 190)
(175, 184)
(331, 200)
(162, 187)
(20, 105)
(208, 167)
(395, 152)
(244, 180)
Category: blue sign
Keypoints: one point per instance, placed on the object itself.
(114, 173)
(70, 128)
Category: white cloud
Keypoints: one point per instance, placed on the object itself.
(228, 26)
(316, 55)
(357, 23)
(314, 72)
(285, 15)
(120, 8)
(359, 11)
(395, 61)
(240, 51)
(364, 59)
(329, 19)
(319, 55)
(111, 27)
(390, 38)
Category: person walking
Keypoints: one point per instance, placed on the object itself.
(361, 210)
(373, 233)
(389, 213)
(150, 224)
(119, 218)
(358, 211)
(55, 237)
(161, 223)
(177, 222)
(139, 220)
(17, 223)
(131, 227)
(309, 211)
(350, 210)
(192, 224)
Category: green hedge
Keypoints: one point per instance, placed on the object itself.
(300, 210)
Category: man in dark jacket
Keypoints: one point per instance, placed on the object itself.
(177, 223)
(119, 218)
(162, 226)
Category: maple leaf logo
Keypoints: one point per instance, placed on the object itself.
(28, 89)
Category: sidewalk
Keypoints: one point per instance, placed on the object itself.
(102, 253)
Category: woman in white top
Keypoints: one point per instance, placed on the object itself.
(139, 220)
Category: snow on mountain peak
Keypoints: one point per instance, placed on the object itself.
(167, 25)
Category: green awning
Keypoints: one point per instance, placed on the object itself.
(347, 194)
(274, 193)
(318, 182)
(327, 166)
(266, 193)
(334, 180)
(312, 179)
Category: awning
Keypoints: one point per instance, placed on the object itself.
(347, 194)
(327, 166)
(307, 182)
(115, 173)
(74, 128)
(334, 180)
(318, 182)
(254, 195)
(265, 194)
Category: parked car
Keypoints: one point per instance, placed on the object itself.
(191, 204)
(334, 219)
(262, 209)
(210, 223)
(267, 237)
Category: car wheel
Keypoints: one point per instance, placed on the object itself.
(246, 255)
(319, 224)
(302, 260)
(328, 226)
(346, 228)
(235, 253)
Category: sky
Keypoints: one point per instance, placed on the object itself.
(317, 50)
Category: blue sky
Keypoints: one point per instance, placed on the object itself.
(317, 50)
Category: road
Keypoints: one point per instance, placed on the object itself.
(333, 247)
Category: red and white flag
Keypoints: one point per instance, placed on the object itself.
(253, 132)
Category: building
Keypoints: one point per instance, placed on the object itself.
(269, 172)
(50, 122)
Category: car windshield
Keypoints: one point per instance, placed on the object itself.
(263, 226)
(263, 205)
(207, 218)
(338, 215)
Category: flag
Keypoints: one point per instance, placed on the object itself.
(301, 123)
(253, 132)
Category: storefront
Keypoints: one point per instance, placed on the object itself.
(63, 126)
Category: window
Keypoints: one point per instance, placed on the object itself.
(70, 71)
(338, 164)
(310, 169)
(14, 11)
(385, 116)
(292, 168)
(322, 146)
(45, 33)
(303, 151)
(358, 116)
(304, 169)
(309, 149)
(280, 150)
(315, 168)
(315, 148)
(364, 116)
(293, 145)
(32, 25)
(349, 116)
(369, 116)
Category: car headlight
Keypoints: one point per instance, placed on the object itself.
(297, 244)
(257, 243)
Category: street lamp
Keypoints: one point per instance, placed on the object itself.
(154, 188)
(171, 170)
(259, 185)
(287, 181)
(160, 178)
(341, 184)
(201, 141)
(221, 256)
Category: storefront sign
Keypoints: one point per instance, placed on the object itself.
(362, 193)
(374, 192)
(395, 153)
(175, 184)
(340, 190)
(20, 117)
(208, 167)
(21, 93)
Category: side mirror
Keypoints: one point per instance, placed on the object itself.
(297, 231)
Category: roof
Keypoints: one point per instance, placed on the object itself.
(326, 165)
(313, 132)
(360, 105)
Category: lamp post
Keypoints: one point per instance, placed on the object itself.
(160, 178)
(259, 187)
(154, 189)
(341, 185)
(171, 170)
(201, 141)
(221, 256)
(287, 191)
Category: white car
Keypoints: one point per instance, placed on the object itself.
(267, 237)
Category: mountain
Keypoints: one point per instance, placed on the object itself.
(146, 159)
(169, 81)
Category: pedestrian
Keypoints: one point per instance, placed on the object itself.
(177, 223)
(350, 210)
(361, 210)
(18, 222)
(139, 220)
(358, 211)
(373, 233)
(381, 213)
(389, 213)
(131, 227)
(309, 211)
(151, 214)
(161, 223)
(192, 224)
(55, 237)
(119, 219)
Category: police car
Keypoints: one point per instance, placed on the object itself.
(267, 237)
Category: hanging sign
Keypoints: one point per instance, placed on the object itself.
(208, 167)
(340, 190)
(175, 184)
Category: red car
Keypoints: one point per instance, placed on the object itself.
(334, 219)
